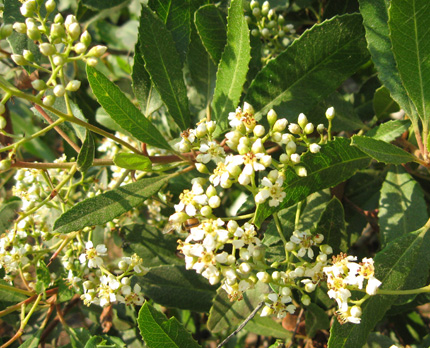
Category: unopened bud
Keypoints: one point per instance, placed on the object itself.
(281, 20)
(330, 113)
(320, 128)
(265, 33)
(57, 60)
(280, 125)
(27, 9)
(57, 31)
(74, 30)
(5, 164)
(50, 5)
(301, 171)
(20, 27)
(19, 59)
(272, 117)
(291, 147)
(294, 128)
(58, 18)
(3, 121)
(255, 32)
(59, 90)
(85, 38)
(97, 51)
(69, 20)
(92, 61)
(259, 130)
(256, 12)
(284, 158)
(28, 55)
(38, 85)
(80, 48)
(73, 85)
(309, 128)
(201, 168)
(34, 34)
(306, 300)
(6, 30)
(47, 49)
(303, 120)
(254, 4)
(49, 100)
(206, 211)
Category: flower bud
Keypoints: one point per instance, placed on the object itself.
(122, 265)
(57, 31)
(80, 48)
(263, 277)
(272, 117)
(211, 125)
(301, 171)
(28, 55)
(69, 20)
(73, 85)
(277, 137)
(255, 32)
(5, 164)
(272, 14)
(206, 211)
(330, 113)
(85, 38)
(303, 120)
(58, 18)
(284, 158)
(27, 9)
(97, 51)
(306, 300)
(19, 59)
(356, 311)
(38, 85)
(265, 8)
(3, 121)
(178, 218)
(258, 146)
(59, 90)
(47, 49)
(57, 60)
(320, 128)
(271, 24)
(49, 100)
(281, 20)
(50, 5)
(265, 33)
(242, 149)
(326, 249)
(295, 158)
(74, 30)
(201, 168)
(294, 128)
(214, 202)
(309, 128)
(310, 287)
(290, 148)
(201, 130)
(254, 4)
(280, 125)
(256, 12)
(20, 27)
(6, 30)
(314, 148)
(92, 61)
(259, 130)
(34, 34)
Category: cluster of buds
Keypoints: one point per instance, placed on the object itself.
(274, 32)
(345, 275)
(60, 42)
(103, 287)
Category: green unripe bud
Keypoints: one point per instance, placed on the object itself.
(34, 34)
(255, 32)
(2, 110)
(265, 8)
(303, 120)
(3, 121)
(306, 300)
(47, 49)
(265, 33)
(254, 4)
(57, 31)
(20, 27)
(6, 30)
(281, 33)
(80, 48)
(27, 9)
(69, 20)
(320, 128)
(58, 18)
(59, 90)
(85, 38)
(50, 6)
(57, 60)
(49, 100)
(28, 55)
(280, 125)
(74, 30)
(309, 128)
(73, 85)
(97, 51)
(330, 113)
(271, 24)
(92, 61)
(271, 14)
(5, 164)
(201, 168)
(281, 20)
(272, 117)
(256, 12)
(19, 59)
(39, 85)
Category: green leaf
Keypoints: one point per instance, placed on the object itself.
(402, 206)
(210, 23)
(336, 162)
(86, 155)
(154, 247)
(43, 276)
(174, 286)
(132, 161)
(226, 314)
(8, 213)
(143, 88)
(316, 319)
(266, 326)
(102, 4)
(158, 331)
(383, 104)
(123, 111)
(163, 64)
(390, 130)
(8, 297)
(329, 53)
(375, 21)
(332, 225)
(78, 336)
(408, 23)
(108, 205)
(392, 267)
(233, 66)
(382, 151)
(315, 205)
(33, 340)
(176, 16)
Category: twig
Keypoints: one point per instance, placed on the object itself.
(299, 318)
(241, 326)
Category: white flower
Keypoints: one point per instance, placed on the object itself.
(211, 151)
(272, 190)
(93, 255)
(305, 242)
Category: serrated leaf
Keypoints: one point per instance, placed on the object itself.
(7, 213)
(163, 64)
(210, 23)
(86, 155)
(132, 161)
(316, 319)
(158, 331)
(233, 66)
(33, 340)
(174, 286)
(123, 111)
(383, 104)
(390, 130)
(402, 206)
(266, 326)
(329, 53)
(176, 16)
(108, 205)
(154, 247)
(226, 314)
(392, 267)
(99, 5)
(143, 88)
(336, 162)
(332, 225)
(408, 23)
(375, 21)
(381, 150)
(315, 205)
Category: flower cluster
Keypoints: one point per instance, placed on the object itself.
(345, 275)
(271, 28)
